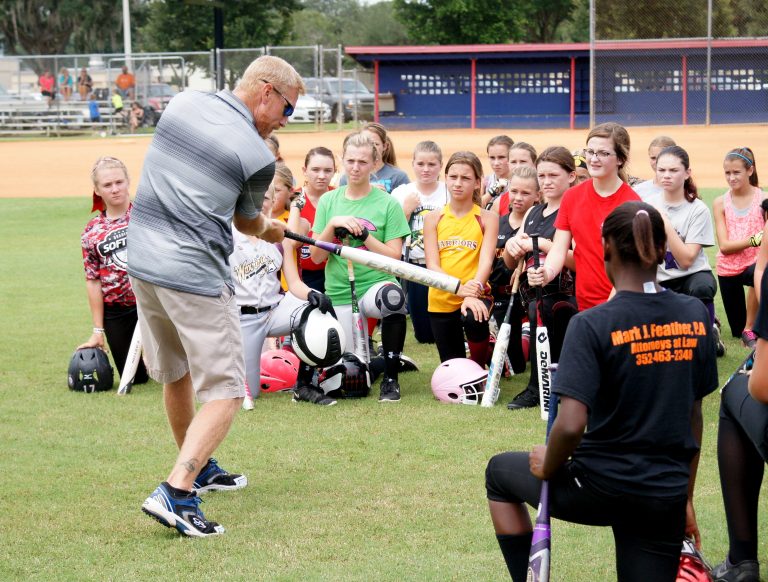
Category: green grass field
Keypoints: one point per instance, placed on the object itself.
(359, 491)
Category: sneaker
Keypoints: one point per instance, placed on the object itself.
(311, 394)
(748, 338)
(390, 390)
(248, 400)
(183, 513)
(528, 398)
(746, 571)
(408, 364)
(720, 346)
(214, 478)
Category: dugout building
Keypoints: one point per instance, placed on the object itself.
(661, 82)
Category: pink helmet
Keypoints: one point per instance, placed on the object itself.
(459, 381)
(279, 370)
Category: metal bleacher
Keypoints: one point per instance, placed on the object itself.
(32, 117)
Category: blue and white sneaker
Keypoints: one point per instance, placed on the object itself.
(183, 513)
(214, 478)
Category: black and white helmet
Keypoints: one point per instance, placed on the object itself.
(90, 371)
(317, 338)
(349, 378)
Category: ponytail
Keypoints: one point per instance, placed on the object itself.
(637, 232)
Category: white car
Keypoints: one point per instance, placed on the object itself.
(308, 109)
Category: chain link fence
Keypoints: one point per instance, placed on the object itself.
(691, 62)
(54, 93)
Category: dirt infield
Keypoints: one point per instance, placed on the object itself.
(57, 168)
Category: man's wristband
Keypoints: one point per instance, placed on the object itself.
(98, 330)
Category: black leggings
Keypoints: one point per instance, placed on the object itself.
(742, 450)
(119, 323)
(734, 302)
(449, 329)
(417, 308)
(648, 531)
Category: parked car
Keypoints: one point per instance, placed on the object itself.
(354, 96)
(157, 96)
(308, 109)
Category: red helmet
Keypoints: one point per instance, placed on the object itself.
(279, 370)
(693, 566)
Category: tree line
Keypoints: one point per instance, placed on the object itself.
(73, 26)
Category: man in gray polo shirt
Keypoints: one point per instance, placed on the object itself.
(207, 166)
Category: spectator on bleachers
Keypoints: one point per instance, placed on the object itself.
(47, 84)
(84, 84)
(136, 115)
(126, 84)
(65, 83)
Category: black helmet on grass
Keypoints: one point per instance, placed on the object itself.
(90, 371)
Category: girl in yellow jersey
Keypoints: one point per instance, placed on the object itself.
(460, 239)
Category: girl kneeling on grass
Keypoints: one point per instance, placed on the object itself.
(739, 222)
(556, 173)
(366, 217)
(619, 392)
(460, 239)
(104, 244)
(688, 225)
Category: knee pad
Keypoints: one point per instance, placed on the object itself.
(390, 300)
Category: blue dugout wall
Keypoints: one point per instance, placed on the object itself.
(640, 83)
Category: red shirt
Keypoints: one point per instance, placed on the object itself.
(305, 262)
(105, 253)
(504, 204)
(582, 212)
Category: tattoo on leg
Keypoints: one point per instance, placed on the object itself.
(191, 465)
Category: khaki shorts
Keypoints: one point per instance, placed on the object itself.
(183, 332)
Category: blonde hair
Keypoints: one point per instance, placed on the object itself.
(284, 176)
(272, 70)
(359, 140)
(106, 163)
(662, 141)
(526, 173)
(428, 147)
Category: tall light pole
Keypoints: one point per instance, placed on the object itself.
(127, 32)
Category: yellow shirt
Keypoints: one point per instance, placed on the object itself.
(458, 242)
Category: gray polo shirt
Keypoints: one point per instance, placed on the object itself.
(206, 162)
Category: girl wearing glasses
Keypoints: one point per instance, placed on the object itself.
(739, 222)
(386, 175)
(364, 216)
(582, 212)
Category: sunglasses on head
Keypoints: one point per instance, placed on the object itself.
(288, 109)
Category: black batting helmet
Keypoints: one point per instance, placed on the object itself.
(90, 371)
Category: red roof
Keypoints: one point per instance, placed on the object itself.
(571, 46)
